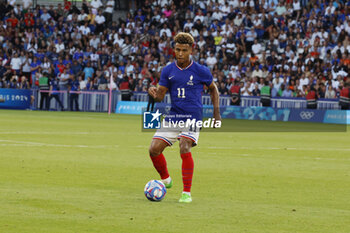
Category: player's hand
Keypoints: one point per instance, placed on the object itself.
(152, 91)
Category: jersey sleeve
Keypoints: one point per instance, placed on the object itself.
(207, 77)
(164, 78)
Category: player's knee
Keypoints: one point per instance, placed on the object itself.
(185, 147)
(154, 151)
(184, 150)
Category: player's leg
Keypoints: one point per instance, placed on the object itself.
(50, 98)
(41, 100)
(187, 167)
(76, 99)
(159, 162)
(59, 102)
(161, 139)
(70, 102)
(47, 101)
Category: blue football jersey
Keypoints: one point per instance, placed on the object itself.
(54, 84)
(185, 87)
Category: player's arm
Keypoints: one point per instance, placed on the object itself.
(214, 95)
(157, 93)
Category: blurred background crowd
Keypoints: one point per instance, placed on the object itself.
(295, 45)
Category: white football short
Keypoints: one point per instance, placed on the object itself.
(170, 135)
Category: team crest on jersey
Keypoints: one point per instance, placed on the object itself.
(190, 82)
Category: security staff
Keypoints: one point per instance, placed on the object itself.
(236, 93)
(311, 98)
(344, 99)
(265, 95)
(44, 90)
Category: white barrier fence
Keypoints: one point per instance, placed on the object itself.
(88, 101)
(254, 101)
(97, 101)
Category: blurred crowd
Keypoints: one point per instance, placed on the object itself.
(295, 45)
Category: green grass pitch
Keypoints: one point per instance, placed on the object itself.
(85, 172)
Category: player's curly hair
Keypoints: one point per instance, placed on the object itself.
(184, 38)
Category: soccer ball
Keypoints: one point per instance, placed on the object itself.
(155, 190)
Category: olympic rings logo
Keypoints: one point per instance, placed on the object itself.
(306, 115)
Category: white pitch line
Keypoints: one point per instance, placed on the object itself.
(24, 143)
(14, 142)
(47, 133)
(276, 148)
(4, 144)
(64, 133)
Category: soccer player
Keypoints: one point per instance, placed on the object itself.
(53, 92)
(184, 79)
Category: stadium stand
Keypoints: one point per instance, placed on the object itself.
(295, 45)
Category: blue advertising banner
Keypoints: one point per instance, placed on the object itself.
(130, 107)
(236, 112)
(15, 98)
(337, 117)
(307, 115)
(250, 113)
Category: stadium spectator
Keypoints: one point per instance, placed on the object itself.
(24, 84)
(211, 60)
(16, 63)
(330, 93)
(35, 65)
(45, 65)
(63, 80)
(100, 22)
(95, 5)
(108, 12)
(287, 92)
(25, 64)
(297, 42)
(256, 91)
(222, 89)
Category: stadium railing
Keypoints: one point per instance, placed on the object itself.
(89, 101)
(143, 97)
(97, 101)
(276, 102)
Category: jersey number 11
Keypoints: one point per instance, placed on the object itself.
(181, 92)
